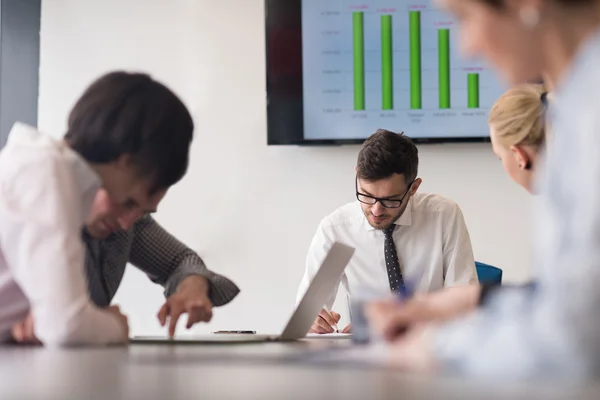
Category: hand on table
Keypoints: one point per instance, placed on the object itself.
(122, 318)
(24, 333)
(413, 351)
(390, 318)
(191, 298)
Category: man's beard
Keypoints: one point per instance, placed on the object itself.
(390, 220)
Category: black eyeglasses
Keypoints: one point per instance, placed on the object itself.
(387, 203)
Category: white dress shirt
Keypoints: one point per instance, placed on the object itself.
(432, 242)
(554, 330)
(46, 191)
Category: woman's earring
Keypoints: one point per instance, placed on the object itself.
(530, 17)
(527, 166)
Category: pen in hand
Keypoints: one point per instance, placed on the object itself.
(330, 315)
(410, 288)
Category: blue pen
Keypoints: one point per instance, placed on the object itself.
(410, 287)
(360, 330)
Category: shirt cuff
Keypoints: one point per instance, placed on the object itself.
(221, 290)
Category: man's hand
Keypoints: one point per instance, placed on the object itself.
(391, 319)
(191, 298)
(326, 322)
(22, 332)
(347, 329)
(122, 318)
(414, 350)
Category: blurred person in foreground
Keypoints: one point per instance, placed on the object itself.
(552, 330)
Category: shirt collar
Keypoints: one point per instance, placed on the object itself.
(86, 179)
(404, 220)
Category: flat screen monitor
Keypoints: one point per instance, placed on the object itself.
(338, 70)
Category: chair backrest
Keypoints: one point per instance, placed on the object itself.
(488, 274)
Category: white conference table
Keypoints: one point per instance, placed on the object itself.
(245, 371)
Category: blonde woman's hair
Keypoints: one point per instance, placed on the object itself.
(519, 116)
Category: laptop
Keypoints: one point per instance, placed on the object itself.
(329, 274)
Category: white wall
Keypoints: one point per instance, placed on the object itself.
(248, 209)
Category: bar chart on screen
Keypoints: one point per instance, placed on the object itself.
(390, 64)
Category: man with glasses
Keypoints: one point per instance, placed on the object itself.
(405, 241)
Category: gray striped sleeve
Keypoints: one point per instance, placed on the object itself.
(167, 261)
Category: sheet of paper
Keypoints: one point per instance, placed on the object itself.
(328, 335)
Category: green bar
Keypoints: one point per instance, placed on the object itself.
(387, 84)
(415, 59)
(359, 59)
(444, 67)
(473, 90)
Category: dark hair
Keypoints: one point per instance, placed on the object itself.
(130, 113)
(386, 153)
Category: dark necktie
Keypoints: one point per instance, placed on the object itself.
(391, 262)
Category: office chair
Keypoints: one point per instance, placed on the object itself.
(488, 274)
